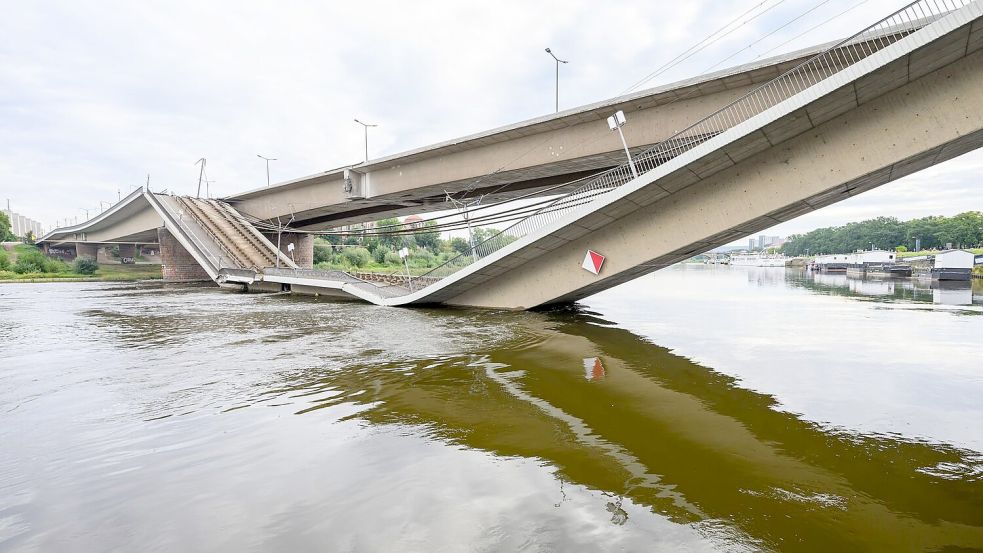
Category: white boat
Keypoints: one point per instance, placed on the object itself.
(758, 259)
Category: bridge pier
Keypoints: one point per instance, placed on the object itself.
(303, 254)
(91, 250)
(127, 250)
(177, 265)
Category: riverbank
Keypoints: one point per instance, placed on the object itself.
(105, 273)
(26, 263)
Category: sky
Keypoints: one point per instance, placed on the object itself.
(95, 96)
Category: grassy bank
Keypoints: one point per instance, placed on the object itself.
(25, 263)
(105, 273)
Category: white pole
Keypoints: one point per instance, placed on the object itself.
(631, 163)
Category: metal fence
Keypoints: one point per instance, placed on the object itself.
(816, 69)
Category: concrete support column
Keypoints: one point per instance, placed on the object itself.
(177, 265)
(91, 250)
(127, 250)
(303, 254)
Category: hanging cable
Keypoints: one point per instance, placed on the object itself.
(810, 29)
(702, 45)
(786, 24)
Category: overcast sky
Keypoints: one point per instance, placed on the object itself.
(95, 95)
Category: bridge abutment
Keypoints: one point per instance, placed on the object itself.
(177, 265)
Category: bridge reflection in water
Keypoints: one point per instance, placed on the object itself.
(190, 418)
(657, 430)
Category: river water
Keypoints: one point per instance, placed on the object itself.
(696, 409)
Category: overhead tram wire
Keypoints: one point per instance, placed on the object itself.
(659, 71)
(810, 29)
(786, 24)
(686, 54)
(503, 215)
(700, 46)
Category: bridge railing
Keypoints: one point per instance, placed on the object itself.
(810, 72)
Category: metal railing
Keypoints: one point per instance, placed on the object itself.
(810, 72)
(218, 242)
(196, 242)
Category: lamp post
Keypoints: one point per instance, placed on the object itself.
(615, 122)
(366, 127)
(558, 62)
(201, 174)
(86, 212)
(268, 160)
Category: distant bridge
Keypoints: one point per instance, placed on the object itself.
(775, 141)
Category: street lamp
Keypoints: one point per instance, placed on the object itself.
(86, 212)
(201, 174)
(268, 160)
(615, 122)
(558, 62)
(366, 127)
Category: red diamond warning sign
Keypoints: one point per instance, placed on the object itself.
(593, 261)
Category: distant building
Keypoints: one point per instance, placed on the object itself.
(20, 225)
(764, 242)
(413, 221)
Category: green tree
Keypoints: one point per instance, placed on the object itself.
(388, 227)
(6, 235)
(429, 237)
(459, 245)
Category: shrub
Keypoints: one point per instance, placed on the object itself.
(322, 253)
(31, 261)
(380, 253)
(357, 257)
(54, 265)
(4, 261)
(421, 258)
(392, 258)
(85, 265)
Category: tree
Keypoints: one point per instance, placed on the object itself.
(429, 239)
(5, 233)
(459, 245)
(387, 227)
(965, 229)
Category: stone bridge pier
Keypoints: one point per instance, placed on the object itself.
(90, 250)
(177, 265)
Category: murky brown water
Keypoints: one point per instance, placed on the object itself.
(695, 409)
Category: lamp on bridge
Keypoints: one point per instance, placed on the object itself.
(268, 160)
(558, 62)
(366, 127)
(615, 122)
